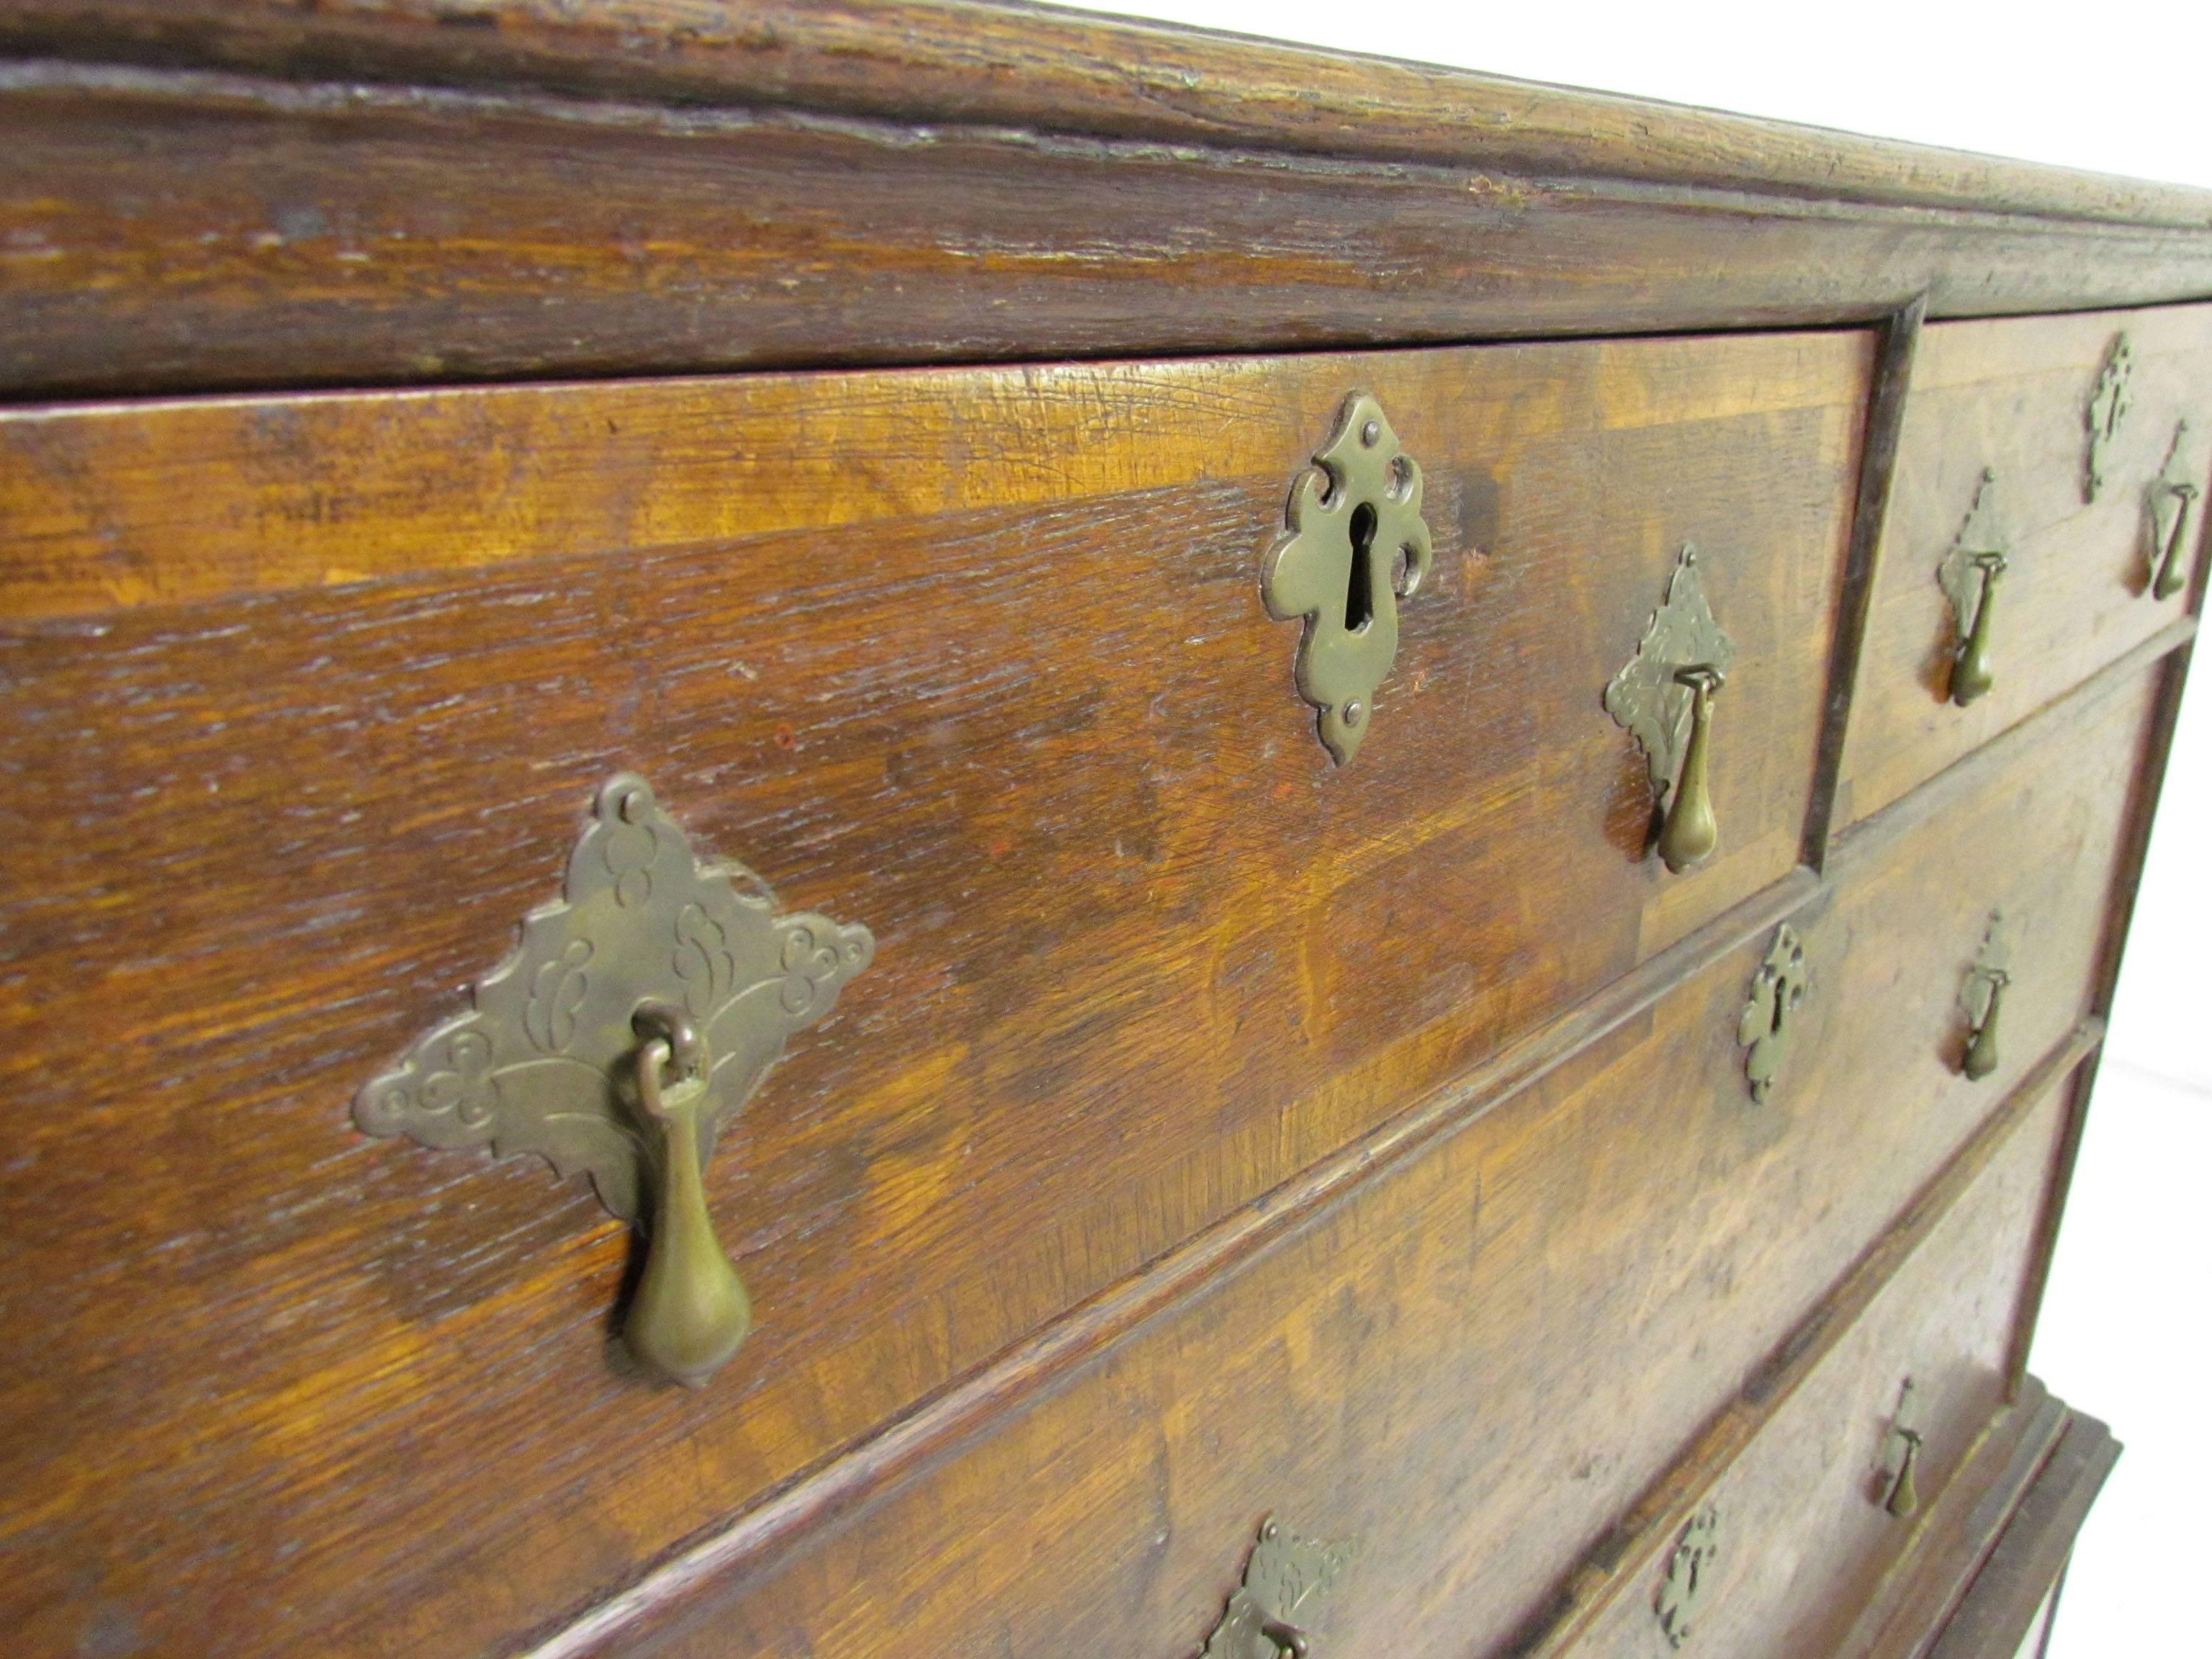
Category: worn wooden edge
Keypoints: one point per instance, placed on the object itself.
(1953, 1536)
(939, 1425)
(2000, 1606)
(1885, 421)
(1050, 245)
(1621, 1557)
(2127, 877)
(1966, 775)
(1038, 66)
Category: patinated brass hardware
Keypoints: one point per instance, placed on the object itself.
(1900, 1453)
(2172, 504)
(2110, 400)
(1968, 576)
(1270, 1613)
(1689, 1575)
(636, 1016)
(1354, 545)
(1982, 997)
(1664, 697)
(1776, 991)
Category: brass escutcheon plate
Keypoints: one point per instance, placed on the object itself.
(1689, 1575)
(2110, 400)
(1777, 990)
(1353, 546)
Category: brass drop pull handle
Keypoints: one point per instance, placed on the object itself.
(630, 1023)
(1972, 673)
(1691, 832)
(1977, 556)
(1981, 998)
(1903, 1499)
(1663, 698)
(2173, 565)
(690, 1312)
(1898, 1490)
(1288, 1639)
(1982, 1044)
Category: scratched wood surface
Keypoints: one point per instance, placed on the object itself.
(305, 699)
(1471, 1363)
(176, 230)
(2013, 396)
(1039, 66)
(1805, 1539)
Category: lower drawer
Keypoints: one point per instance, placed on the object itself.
(1796, 1542)
(1473, 1361)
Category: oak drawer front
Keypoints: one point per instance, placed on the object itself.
(2012, 397)
(977, 659)
(1469, 1365)
(1807, 1522)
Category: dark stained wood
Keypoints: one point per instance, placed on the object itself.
(2002, 1606)
(834, 621)
(1473, 1361)
(1805, 1541)
(173, 231)
(1061, 71)
(2012, 395)
(1892, 375)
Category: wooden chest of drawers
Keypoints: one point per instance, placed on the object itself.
(1368, 875)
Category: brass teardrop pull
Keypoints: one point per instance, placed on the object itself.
(1664, 699)
(690, 1313)
(1972, 673)
(1968, 576)
(1982, 1047)
(1903, 1499)
(2172, 568)
(1288, 1639)
(1898, 1491)
(632, 1021)
(2172, 515)
(1981, 998)
(1691, 832)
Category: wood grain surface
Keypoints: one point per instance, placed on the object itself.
(1038, 66)
(165, 231)
(1804, 1542)
(978, 660)
(2013, 396)
(1473, 1362)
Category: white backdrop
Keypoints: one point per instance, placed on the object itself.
(2117, 87)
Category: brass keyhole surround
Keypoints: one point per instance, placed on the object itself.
(1353, 546)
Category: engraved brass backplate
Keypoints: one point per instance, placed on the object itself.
(2172, 516)
(1981, 997)
(1777, 990)
(1354, 545)
(2110, 400)
(1968, 574)
(636, 1016)
(1663, 697)
(1689, 1575)
(1270, 1616)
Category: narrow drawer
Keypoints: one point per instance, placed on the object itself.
(305, 699)
(1468, 1366)
(2013, 399)
(1798, 1537)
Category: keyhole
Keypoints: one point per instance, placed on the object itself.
(1359, 589)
